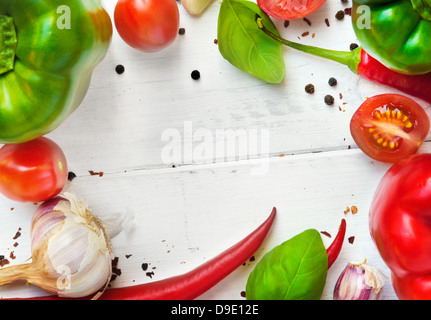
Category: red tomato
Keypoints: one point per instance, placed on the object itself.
(147, 25)
(389, 127)
(289, 9)
(32, 171)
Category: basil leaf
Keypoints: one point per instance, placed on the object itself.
(244, 45)
(294, 270)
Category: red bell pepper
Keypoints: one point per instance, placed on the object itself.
(400, 225)
(366, 66)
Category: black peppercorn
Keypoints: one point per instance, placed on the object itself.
(181, 31)
(332, 81)
(353, 46)
(71, 176)
(309, 88)
(120, 69)
(196, 75)
(329, 100)
(340, 15)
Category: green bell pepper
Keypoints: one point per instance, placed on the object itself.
(395, 32)
(48, 51)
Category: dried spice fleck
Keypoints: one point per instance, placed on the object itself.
(348, 11)
(3, 261)
(150, 274)
(329, 100)
(305, 34)
(309, 88)
(181, 31)
(286, 23)
(326, 234)
(94, 173)
(144, 266)
(17, 235)
(354, 209)
(327, 22)
(351, 239)
(307, 21)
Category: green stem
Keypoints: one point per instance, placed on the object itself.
(348, 58)
(423, 7)
(8, 42)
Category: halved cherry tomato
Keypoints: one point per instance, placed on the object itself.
(147, 25)
(32, 171)
(389, 127)
(289, 9)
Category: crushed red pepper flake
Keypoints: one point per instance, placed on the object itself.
(17, 234)
(94, 173)
(351, 239)
(3, 261)
(326, 233)
(354, 209)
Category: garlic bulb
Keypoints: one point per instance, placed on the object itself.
(71, 251)
(195, 7)
(358, 281)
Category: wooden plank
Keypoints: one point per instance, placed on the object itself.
(178, 218)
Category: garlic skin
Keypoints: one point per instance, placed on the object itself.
(71, 251)
(195, 7)
(359, 281)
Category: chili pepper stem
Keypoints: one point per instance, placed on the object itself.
(349, 58)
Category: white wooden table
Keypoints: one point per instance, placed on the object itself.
(182, 212)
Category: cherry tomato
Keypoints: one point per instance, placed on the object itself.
(389, 127)
(289, 9)
(32, 171)
(147, 25)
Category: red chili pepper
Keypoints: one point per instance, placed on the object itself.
(192, 284)
(366, 66)
(334, 249)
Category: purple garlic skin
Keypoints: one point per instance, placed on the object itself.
(358, 281)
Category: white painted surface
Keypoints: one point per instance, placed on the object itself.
(184, 215)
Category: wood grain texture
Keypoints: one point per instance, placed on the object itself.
(182, 213)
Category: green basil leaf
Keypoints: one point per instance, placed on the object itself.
(245, 46)
(294, 270)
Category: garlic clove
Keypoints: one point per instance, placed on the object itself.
(71, 251)
(359, 281)
(195, 7)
